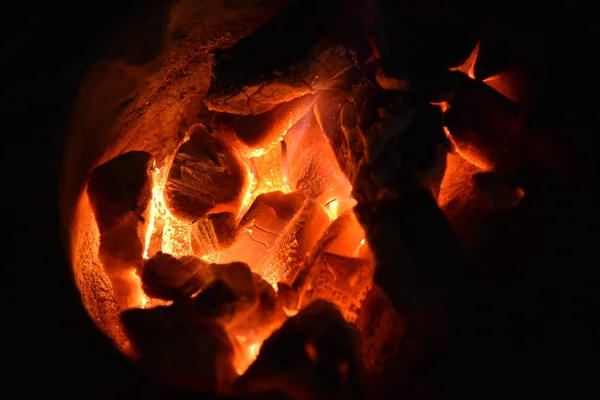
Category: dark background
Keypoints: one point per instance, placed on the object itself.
(532, 333)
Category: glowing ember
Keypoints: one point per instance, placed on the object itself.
(275, 232)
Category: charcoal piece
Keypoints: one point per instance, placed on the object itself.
(344, 281)
(206, 177)
(312, 163)
(291, 248)
(261, 226)
(313, 355)
(238, 277)
(496, 191)
(119, 192)
(270, 67)
(169, 278)
(118, 187)
(260, 130)
(341, 118)
(175, 346)
(481, 123)
(213, 233)
(216, 300)
(402, 231)
(287, 295)
(432, 85)
(342, 237)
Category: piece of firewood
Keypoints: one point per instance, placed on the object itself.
(206, 177)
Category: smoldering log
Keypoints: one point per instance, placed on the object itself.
(206, 176)
(119, 192)
(326, 44)
(174, 346)
(260, 130)
(315, 354)
(481, 123)
(213, 233)
(499, 51)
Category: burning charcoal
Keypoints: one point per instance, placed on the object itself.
(480, 121)
(260, 227)
(267, 315)
(339, 117)
(206, 177)
(290, 249)
(119, 187)
(313, 169)
(344, 281)
(429, 85)
(288, 297)
(313, 355)
(383, 334)
(119, 193)
(496, 191)
(217, 300)
(176, 347)
(342, 237)
(213, 233)
(237, 276)
(402, 230)
(169, 278)
(270, 67)
(260, 130)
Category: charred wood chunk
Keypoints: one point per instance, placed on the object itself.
(169, 278)
(206, 176)
(344, 281)
(119, 192)
(270, 67)
(119, 187)
(312, 162)
(213, 233)
(383, 333)
(174, 346)
(496, 191)
(260, 130)
(261, 226)
(342, 237)
(481, 121)
(432, 85)
(402, 229)
(315, 354)
(290, 249)
(342, 118)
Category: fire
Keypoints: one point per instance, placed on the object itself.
(268, 171)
